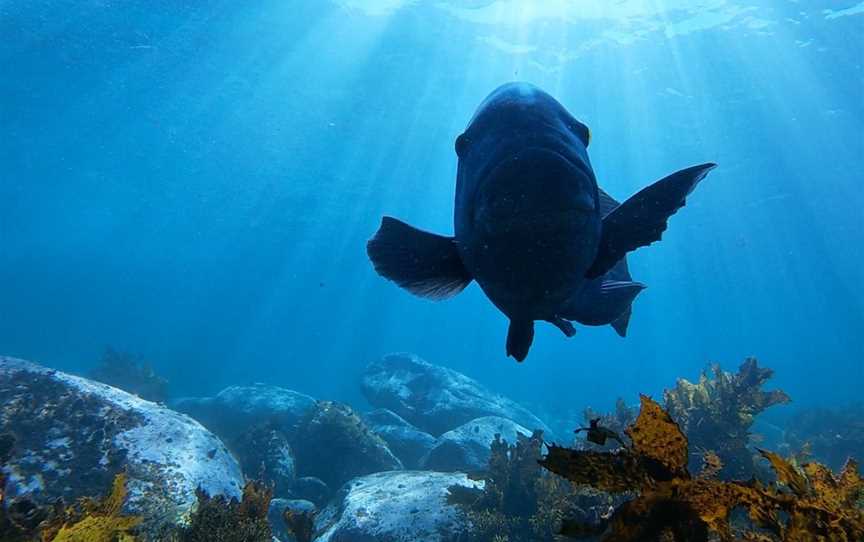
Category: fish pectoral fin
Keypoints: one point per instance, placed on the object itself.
(641, 220)
(520, 335)
(425, 264)
(565, 326)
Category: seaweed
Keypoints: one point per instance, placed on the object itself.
(519, 501)
(94, 521)
(130, 373)
(808, 502)
(300, 523)
(717, 413)
(831, 435)
(218, 519)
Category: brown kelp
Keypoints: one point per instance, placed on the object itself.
(717, 412)
(808, 502)
(94, 521)
(831, 435)
(218, 519)
(300, 523)
(87, 520)
(519, 500)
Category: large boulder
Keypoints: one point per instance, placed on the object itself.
(468, 447)
(237, 408)
(73, 435)
(400, 506)
(265, 454)
(334, 444)
(407, 442)
(309, 488)
(437, 399)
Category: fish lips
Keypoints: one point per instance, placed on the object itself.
(537, 190)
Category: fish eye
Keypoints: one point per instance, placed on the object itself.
(461, 145)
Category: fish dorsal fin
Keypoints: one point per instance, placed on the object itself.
(607, 203)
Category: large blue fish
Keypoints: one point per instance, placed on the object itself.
(542, 240)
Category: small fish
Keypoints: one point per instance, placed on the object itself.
(532, 227)
(598, 434)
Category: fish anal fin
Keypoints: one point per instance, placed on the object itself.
(641, 220)
(620, 324)
(520, 335)
(604, 303)
(425, 264)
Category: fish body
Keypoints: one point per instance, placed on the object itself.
(532, 227)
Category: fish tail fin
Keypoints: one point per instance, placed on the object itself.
(425, 264)
(520, 335)
(641, 220)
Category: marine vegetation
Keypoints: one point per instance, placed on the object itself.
(94, 521)
(519, 501)
(717, 413)
(218, 519)
(807, 502)
(831, 435)
(88, 520)
(130, 373)
(300, 523)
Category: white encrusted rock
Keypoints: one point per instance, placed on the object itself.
(73, 435)
(235, 409)
(396, 506)
(437, 399)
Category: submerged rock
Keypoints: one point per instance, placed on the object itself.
(73, 435)
(437, 399)
(467, 448)
(402, 506)
(237, 408)
(265, 455)
(311, 489)
(407, 442)
(334, 444)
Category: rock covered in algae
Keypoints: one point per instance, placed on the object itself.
(399, 506)
(235, 409)
(73, 435)
(467, 448)
(437, 399)
(406, 441)
(334, 444)
(265, 454)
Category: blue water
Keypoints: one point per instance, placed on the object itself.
(195, 182)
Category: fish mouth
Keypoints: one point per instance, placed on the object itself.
(535, 190)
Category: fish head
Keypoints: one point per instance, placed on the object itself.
(533, 192)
